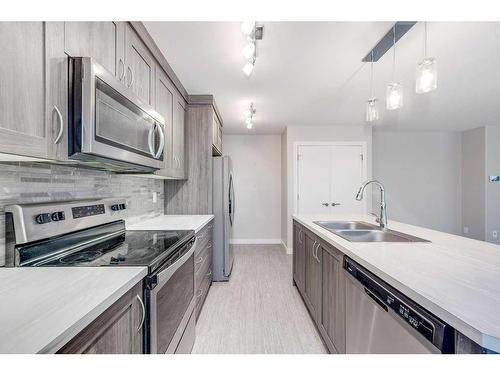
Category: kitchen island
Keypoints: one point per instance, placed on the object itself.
(43, 308)
(453, 277)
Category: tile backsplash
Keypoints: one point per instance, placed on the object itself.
(37, 182)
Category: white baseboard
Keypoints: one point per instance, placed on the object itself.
(256, 241)
(288, 250)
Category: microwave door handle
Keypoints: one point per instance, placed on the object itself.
(151, 140)
(162, 142)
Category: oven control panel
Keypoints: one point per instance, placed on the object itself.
(84, 211)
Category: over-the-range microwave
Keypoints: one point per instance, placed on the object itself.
(108, 126)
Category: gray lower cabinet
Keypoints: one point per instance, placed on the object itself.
(118, 330)
(332, 317)
(312, 290)
(203, 265)
(323, 283)
(33, 77)
(299, 257)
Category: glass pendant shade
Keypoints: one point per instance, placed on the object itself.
(248, 68)
(426, 76)
(394, 96)
(372, 110)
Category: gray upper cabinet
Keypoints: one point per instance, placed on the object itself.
(164, 98)
(32, 88)
(140, 67)
(103, 41)
(178, 138)
(217, 136)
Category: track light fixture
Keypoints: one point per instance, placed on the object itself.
(252, 33)
(249, 113)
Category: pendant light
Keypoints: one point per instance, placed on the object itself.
(371, 104)
(394, 93)
(426, 74)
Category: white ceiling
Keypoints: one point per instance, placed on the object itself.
(310, 73)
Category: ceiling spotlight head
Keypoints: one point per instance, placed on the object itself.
(248, 27)
(249, 50)
(248, 68)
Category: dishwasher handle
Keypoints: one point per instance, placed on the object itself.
(376, 299)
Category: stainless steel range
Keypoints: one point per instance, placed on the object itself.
(92, 234)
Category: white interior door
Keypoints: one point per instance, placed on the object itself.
(314, 171)
(328, 177)
(347, 176)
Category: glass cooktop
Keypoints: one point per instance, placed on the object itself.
(107, 245)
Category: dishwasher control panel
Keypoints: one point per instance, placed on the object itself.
(429, 326)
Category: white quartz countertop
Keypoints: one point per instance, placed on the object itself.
(455, 278)
(42, 308)
(172, 222)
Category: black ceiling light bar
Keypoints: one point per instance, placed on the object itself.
(400, 28)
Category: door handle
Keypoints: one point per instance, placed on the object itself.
(61, 125)
(143, 312)
(335, 204)
(325, 204)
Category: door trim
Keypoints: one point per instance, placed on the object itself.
(295, 176)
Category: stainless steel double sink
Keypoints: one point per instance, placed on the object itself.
(359, 231)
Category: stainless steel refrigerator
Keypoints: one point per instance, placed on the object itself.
(223, 205)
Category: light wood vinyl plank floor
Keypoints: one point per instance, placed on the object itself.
(258, 311)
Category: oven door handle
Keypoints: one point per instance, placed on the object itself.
(166, 274)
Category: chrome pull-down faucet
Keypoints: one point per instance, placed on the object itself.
(382, 220)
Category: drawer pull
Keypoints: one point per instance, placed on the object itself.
(199, 294)
(199, 260)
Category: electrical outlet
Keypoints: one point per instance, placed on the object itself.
(494, 234)
(466, 230)
(155, 197)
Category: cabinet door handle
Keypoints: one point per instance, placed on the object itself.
(300, 236)
(121, 70)
(314, 249)
(317, 257)
(336, 204)
(143, 313)
(200, 292)
(209, 273)
(162, 142)
(131, 80)
(61, 125)
(199, 260)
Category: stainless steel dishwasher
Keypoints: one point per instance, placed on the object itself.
(379, 319)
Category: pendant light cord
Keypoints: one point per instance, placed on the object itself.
(371, 78)
(394, 51)
(425, 39)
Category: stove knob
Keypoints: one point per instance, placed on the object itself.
(115, 207)
(43, 218)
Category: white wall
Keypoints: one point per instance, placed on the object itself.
(473, 183)
(492, 189)
(257, 186)
(317, 134)
(421, 174)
